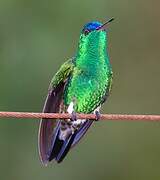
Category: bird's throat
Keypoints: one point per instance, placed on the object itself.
(92, 50)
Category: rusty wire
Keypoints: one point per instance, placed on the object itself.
(115, 117)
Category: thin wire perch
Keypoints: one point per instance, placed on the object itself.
(115, 117)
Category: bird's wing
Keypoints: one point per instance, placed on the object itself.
(47, 128)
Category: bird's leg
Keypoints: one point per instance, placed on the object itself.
(73, 116)
(97, 113)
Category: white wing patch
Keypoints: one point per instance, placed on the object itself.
(70, 108)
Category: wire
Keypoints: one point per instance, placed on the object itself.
(115, 117)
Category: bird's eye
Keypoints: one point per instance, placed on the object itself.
(86, 31)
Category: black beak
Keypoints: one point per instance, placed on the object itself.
(104, 24)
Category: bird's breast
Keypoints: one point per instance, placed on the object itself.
(86, 89)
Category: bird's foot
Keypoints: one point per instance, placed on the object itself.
(98, 115)
(73, 116)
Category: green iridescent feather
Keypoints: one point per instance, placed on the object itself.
(91, 78)
(65, 70)
(90, 74)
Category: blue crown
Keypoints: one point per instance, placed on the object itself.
(91, 26)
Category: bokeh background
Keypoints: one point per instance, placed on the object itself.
(36, 37)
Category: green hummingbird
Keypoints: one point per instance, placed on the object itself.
(81, 85)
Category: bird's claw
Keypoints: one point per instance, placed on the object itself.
(73, 116)
(98, 115)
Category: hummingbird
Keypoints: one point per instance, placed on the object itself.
(81, 85)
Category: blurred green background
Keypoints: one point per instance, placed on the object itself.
(36, 37)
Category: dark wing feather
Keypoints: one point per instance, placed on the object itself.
(82, 131)
(49, 144)
(48, 127)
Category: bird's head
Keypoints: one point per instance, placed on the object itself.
(92, 33)
(94, 27)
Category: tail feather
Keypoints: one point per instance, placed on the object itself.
(65, 148)
(60, 147)
(57, 145)
(81, 132)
